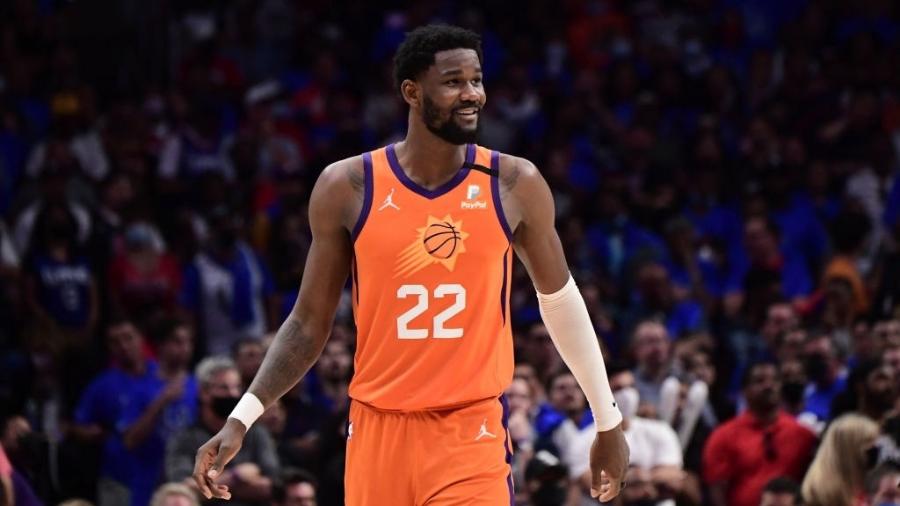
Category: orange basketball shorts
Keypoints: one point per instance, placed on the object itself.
(450, 457)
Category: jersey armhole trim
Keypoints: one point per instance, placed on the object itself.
(495, 193)
(367, 196)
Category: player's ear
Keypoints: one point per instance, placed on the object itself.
(411, 92)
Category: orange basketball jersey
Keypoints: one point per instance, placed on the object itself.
(431, 274)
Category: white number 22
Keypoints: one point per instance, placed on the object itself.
(404, 332)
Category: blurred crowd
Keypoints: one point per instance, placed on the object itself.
(725, 177)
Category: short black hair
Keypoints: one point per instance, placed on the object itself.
(617, 367)
(748, 372)
(562, 371)
(784, 485)
(416, 53)
(292, 476)
(245, 341)
(163, 328)
(849, 230)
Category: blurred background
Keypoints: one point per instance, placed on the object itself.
(725, 174)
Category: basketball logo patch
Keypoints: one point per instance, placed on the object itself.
(440, 241)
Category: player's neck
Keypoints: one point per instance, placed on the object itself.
(427, 159)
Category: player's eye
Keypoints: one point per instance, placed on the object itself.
(451, 82)
(476, 81)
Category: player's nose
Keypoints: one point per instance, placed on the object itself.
(470, 93)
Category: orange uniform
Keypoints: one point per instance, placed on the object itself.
(431, 276)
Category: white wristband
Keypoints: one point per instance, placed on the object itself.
(570, 328)
(248, 409)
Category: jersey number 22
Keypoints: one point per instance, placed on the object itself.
(439, 331)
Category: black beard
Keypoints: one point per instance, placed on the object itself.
(448, 130)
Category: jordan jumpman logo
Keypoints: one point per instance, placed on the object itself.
(483, 432)
(389, 201)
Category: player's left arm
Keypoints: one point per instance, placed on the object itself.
(528, 205)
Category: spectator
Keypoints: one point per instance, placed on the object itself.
(547, 480)
(849, 232)
(274, 419)
(793, 385)
(520, 423)
(52, 192)
(174, 494)
(6, 485)
(248, 355)
(296, 487)
(652, 351)
(871, 392)
(526, 372)
(891, 356)
(61, 291)
(227, 287)
(656, 300)
(250, 473)
(781, 492)
(847, 452)
(117, 205)
(197, 148)
(536, 349)
(328, 387)
(781, 318)
(144, 280)
(10, 300)
(883, 484)
(75, 129)
(827, 378)
(653, 444)
(566, 415)
(770, 272)
(105, 410)
(168, 404)
(744, 453)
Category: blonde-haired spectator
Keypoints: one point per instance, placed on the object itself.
(174, 494)
(838, 471)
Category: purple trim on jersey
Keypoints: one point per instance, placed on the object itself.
(495, 193)
(509, 482)
(367, 196)
(355, 279)
(503, 288)
(425, 192)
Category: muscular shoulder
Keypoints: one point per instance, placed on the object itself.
(515, 170)
(339, 192)
(343, 176)
(525, 195)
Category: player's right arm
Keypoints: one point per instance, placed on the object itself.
(300, 339)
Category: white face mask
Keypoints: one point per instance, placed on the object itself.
(628, 399)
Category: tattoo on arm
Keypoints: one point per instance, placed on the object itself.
(510, 177)
(356, 179)
(292, 353)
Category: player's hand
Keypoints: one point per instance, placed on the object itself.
(214, 455)
(609, 463)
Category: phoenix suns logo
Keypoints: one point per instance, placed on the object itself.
(440, 241)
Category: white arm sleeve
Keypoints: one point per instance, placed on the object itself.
(570, 328)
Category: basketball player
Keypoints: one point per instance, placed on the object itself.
(426, 229)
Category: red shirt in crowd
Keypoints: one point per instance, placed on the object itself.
(745, 455)
(5, 466)
(134, 287)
